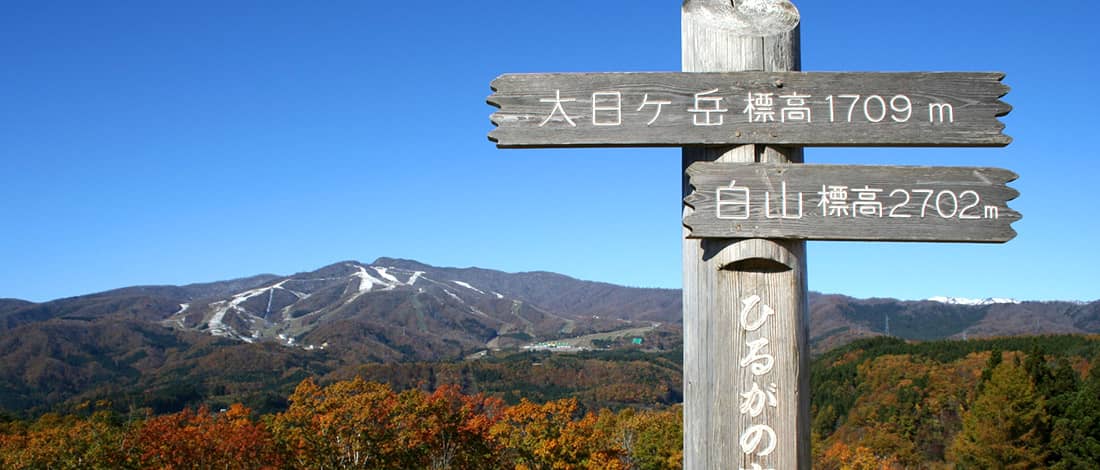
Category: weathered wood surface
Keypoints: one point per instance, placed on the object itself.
(745, 17)
(781, 108)
(721, 274)
(851, 202)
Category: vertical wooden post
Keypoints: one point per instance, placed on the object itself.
(725, 278)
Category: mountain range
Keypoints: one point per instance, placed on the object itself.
(250, 335)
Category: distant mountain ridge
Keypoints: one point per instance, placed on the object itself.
(252, 338)
(470, 308)
(964, 301)
(248, 335)
(391, 309)
(412, 310)
(837, 320)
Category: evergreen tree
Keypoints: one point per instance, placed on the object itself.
(1037, 368)
(1062, 388)
(995, 359)
(1076, 437)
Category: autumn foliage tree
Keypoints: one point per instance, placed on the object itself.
(360, 424)
(202, 439)
(1002, 428)
(552, 436)
(535, 435)
(652, 439)
(65, 442)
(883, 404)
(452, 430)
(841, 456)
(345, 425)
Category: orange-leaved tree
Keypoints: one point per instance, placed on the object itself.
(360, 424)
(53, 441)
(348, 424)
(840, 456)
(450, 430)
(544, 437)
(229, 439)
(651, 439)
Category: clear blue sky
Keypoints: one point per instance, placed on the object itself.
(168, 142)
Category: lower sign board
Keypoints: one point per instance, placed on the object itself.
(851, 202)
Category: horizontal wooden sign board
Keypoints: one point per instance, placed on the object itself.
(850, 202)
(780, 108)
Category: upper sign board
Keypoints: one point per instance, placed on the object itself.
(777, 108)
(850, 202)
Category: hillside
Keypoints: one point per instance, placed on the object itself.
(1003, 403)
(877, 404)
(252, 339)
(836, 320)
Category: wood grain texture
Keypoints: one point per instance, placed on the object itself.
(759, 107)
(720, 273)
(851, 202)
(745, 17)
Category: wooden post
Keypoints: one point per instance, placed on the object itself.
(746, 317)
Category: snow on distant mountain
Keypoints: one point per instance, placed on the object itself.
(394, 309)
(400, 309)
(836, 319)
(973, 302)
(243, 335)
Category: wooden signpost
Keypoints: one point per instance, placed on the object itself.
(783, 108)
(742, 116)
(851, 202)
